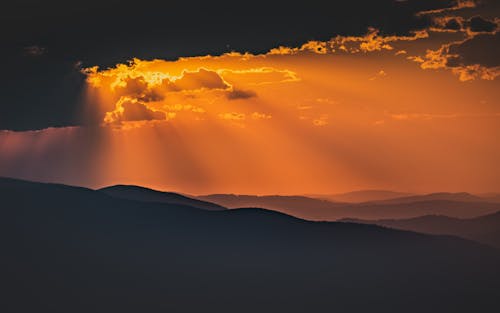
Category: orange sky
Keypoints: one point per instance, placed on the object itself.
(351, 113)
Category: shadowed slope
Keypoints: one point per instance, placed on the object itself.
(485, 229)
(69, 249)
(149, 195)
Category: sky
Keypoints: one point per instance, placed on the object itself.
(259, 98)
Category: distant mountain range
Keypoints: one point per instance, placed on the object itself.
(72, 249)
(491, 197)
(485, 229)
(461, 205)
(440, 196)
(363, 196)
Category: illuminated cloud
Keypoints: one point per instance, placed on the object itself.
(431, 116)
(379, 75)
(260, 116)
(455, 6)
(232, 116)
(130, 110)
(371, 42)
(473, 58)
(136, 111)
(201, 79)
(447, 24)
(166, 90)
(321, 121)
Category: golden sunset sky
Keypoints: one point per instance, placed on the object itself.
(412, 113)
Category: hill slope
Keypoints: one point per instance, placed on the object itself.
(69, 249)
(138, 193)
(485, 229)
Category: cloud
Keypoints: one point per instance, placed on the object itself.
(431, 116)
(454, 6)
(260, 116)
(379, 75)
(481, 49)
(477, 24)
(198, 81)
(321, 121)
(237, 94)
(475, 57)
(136, 111)
(370, 42)
(201, 79)
(131, 110)
(470, 27)
(232, 116)
(451, 24)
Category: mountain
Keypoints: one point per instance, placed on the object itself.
(378, 210)
(440, 196)
(138, 193)
(363, 196)
(490, 197)
(71, 249)
(484, 229)
(294, 205)
(323, 210)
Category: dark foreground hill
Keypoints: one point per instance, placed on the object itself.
(485, 229)
(149, 195)
(68, 249)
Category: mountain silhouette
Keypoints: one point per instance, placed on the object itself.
(490, 197)
(294, 205)
(363, 196)
(72, 249)
(131, 192)
(484, 229)
(324, 210)
(440, 196)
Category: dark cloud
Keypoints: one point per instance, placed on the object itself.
(236, 94)
(481, 49)
(453, 24)
(136, 111)
(477, 24)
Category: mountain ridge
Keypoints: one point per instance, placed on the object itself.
(133, 192)
(71, 249)
(484, 229)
